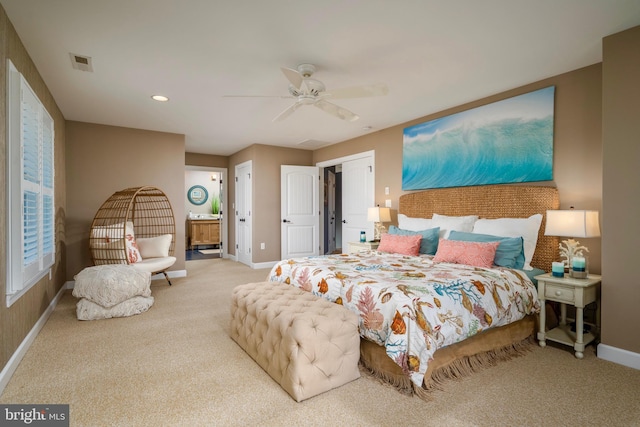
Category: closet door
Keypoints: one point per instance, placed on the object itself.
(300, 211)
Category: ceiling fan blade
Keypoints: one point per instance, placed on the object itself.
(335, 110)
(379, 89)
(259, 96)
(293, 76)
(286, 113)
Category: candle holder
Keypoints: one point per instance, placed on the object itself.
(579, 268)
(557, 269)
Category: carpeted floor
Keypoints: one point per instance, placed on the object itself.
(176, 366)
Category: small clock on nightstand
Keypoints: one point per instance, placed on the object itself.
(576, 292)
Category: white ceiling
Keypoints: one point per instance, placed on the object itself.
(432, 54)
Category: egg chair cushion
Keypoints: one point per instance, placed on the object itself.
(154, 265)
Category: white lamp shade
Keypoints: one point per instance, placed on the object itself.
(572, 223)
(379, 214)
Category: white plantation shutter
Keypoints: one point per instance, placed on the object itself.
(30, 186)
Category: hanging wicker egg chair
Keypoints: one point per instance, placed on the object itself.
(135, 226)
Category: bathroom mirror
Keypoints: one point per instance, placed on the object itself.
(197, 195)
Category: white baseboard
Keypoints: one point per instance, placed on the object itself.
(14, 361)
(254, 265)
(258, 265)
(619, 356)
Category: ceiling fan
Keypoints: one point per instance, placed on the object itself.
(309, 91)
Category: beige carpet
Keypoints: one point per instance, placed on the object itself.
(176, 366)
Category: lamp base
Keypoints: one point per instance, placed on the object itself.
(379, 229)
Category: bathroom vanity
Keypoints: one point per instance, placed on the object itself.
(203, 231)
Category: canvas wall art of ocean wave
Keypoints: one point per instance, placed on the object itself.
(507, 141)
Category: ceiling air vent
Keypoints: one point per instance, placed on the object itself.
(81, 62)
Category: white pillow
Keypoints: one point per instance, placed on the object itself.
(414, 224)
(527, 228)
(457, 223)
(154, 247)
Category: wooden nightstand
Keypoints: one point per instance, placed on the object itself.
(361, 246)
(577, 292)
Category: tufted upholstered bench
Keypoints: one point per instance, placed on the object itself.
(305, 343)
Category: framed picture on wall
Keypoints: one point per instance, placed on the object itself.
(503, 142)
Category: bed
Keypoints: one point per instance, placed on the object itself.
(424, 319)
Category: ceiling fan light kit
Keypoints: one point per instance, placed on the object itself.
(309, 91)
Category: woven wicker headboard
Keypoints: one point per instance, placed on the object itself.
(491, 201)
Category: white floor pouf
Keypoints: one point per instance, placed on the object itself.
(113, 290)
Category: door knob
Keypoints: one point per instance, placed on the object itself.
(286, 220)
(344, 221)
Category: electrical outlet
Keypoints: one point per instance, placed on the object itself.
(262, 245)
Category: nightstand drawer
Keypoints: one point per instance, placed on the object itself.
(558, 293)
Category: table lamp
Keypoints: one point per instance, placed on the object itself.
(378, 215)
(573, 223)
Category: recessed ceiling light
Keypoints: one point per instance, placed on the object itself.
(160, 98)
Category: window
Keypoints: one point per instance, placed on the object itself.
(30, 189)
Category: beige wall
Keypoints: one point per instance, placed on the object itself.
(577, 167)
(17, 320)
(208, 160)
(621, 177)
(101, 160)
(266, 162)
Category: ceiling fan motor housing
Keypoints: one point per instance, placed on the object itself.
(314, 87)
(306, 70)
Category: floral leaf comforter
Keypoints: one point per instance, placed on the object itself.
(411, 305)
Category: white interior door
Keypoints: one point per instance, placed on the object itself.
(243, 212)
(357, 198)
(331, 213)
(300, 210)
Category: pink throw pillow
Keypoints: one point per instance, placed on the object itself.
(477, 254)
(133, 253)
(397, 244)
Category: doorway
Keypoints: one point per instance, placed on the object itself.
(201, 218)
(353, 193)
(332, 209)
